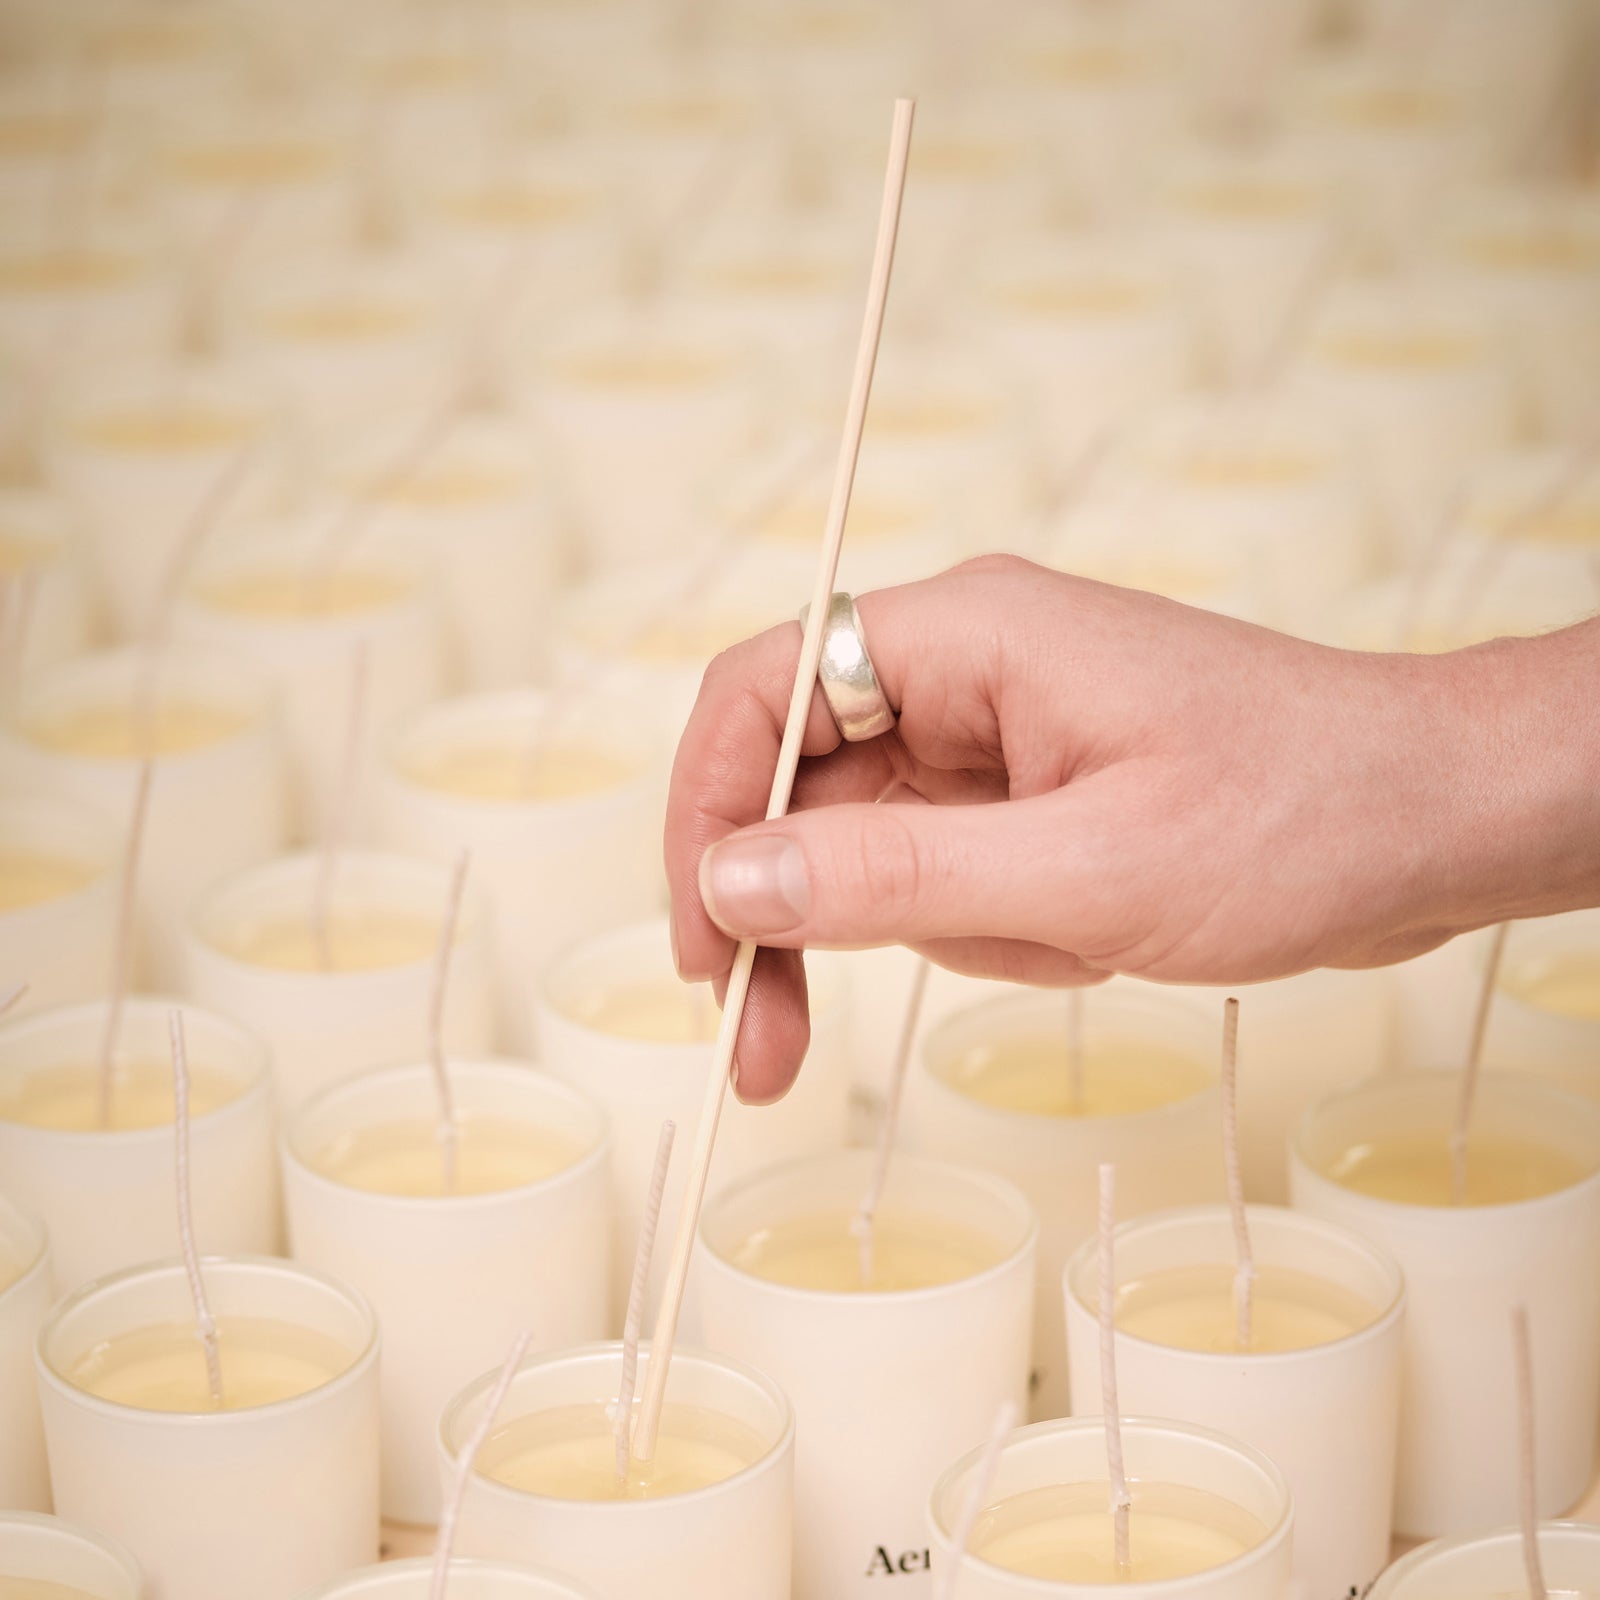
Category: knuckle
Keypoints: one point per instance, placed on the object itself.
(891, 867)
(998, 563)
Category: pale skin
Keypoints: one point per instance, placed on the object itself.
(1087, 780)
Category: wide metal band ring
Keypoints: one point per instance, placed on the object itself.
(849, 684)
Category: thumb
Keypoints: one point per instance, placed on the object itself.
(897, 874)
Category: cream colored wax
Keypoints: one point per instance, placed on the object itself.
(552, 771)
(1566, 982)
(123, 732)
(492, 1154)
(1192, 1308)
(1416, 1169)
(820, 1250)
(66, 1096)
(1065, 1533)
(569, 1453)
(661, 1012)
(334, 591)
(30, 877)
(1120, 1077)
(365, 940)
(162, 1367)
(39, 1589)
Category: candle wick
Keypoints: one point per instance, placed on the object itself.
(1005, 1420)
(204, 1321)
(1473, 1068)
(447, 1128)
(1121, 1501)
(1528, 1440)
(1075, 1062)
(622, 1422)
(122, 950)
(339, 814)
(864, 1222)
(450, 1513)
(1244, 1275)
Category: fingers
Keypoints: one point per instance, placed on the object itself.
(1013, 961)
(776, 1028)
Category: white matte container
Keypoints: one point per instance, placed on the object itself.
(1167, 1452)
(310, 660)
(254, 1504)
(212, 810)
(554, 870)
(62, 948)
(1527, 1037)
(326, 1026)
(469, 1580)
(884, 1384)
(1328, 1416)
(642, 1082)
(1165, 1157)
(731, 1541)
(109, 1197)
(1465, 1269)
(453, 1279)
(1490, 1566)
(24, 1301)
(41, 1549)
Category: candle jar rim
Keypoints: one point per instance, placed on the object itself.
(37, 1264)
(60, 814)
(1420, 1558)
(1002, 1190)
(256, 1082)
(1388, 1314)
(377, 1579)
(1540, 939)
(610, 1350)
(603, 724)
(597, 1154)
(51, 1527)
(264, 876)
(1395, 1084)
(1131, 1426)
(948, 1025)
(361, 1362)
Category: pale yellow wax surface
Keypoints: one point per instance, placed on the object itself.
(1245, 469)
(39, 1589)
(1192, 1308)
(1536, 250)
(123, 733)
(444, 486)
(1420, 351)
(162, 1367)
(1415, 1169)
(1065, 1532)
(66, 1095)
(1120, 1077)
(406, 1158)
(173, 429)
(305, 593)
(367, 940)
(19, 553)
(73, 271)
(1571, 524)
(259, 163)
(1567, 983)
(1107, 297)
(796, 522)
(513, 206)
(927, 417)
(664, 1011)
(30, 877)
(644, 372)
(559, 771)
(343, 322)
(569, 1453)
(1251, 202)
(819, 1251)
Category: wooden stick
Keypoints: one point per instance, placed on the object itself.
(122, 951)
(1244, 1272)
(666, 1327)
(333, 836)
(1470, 1073)
(1527, 1478)
(446, 1130)
(622, 1423)
(1005, 1420)
(1075, 1050)
(450, 1513)
(204, 1321)
(1121, 1501)
(861, 1224)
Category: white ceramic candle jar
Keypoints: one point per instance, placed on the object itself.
(252, 954)
(520, 1242)
(947, 1313)
(993, 1089)
(258, 1501)
(1491, 1567)
(555, 798)
(1179, 1473)
(45, 1556)
(1375, 1160)
(727, 1441)
(24, 1299)
(108, 1193)
(615, 1021)
(217, 797)
(1318, 1391)
(58, 888)
(469, 1580)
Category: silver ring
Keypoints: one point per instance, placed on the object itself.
(849, 684)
